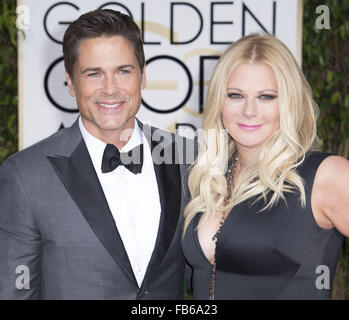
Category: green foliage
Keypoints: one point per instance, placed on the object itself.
(8, 79)
(326, 66)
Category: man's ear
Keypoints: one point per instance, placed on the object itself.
(144, 80)
(70, 85)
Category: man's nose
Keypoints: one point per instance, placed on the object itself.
(110, 85)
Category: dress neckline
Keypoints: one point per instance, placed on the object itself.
(196, 238)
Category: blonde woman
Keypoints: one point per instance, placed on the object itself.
(267, 213)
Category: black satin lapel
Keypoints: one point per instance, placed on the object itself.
(169, 185)
(80, 179)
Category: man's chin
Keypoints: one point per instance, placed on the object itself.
(116, 127)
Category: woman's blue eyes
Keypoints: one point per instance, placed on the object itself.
(235, 95)
(267, 97)
(261, 97)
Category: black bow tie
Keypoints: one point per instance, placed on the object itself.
(132, 160)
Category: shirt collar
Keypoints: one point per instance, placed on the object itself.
(96, 147)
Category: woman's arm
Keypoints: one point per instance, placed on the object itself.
(330, 195)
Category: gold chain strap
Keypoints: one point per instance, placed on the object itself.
(230, 183)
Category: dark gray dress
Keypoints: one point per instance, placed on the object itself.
(277, 254)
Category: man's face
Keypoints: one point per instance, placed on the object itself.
(107, 83)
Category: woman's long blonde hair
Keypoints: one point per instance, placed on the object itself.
(272, 171)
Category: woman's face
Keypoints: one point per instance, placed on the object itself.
(251, 106)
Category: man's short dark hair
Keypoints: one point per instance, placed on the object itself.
(100, 23)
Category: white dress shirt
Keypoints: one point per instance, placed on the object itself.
(133, 199)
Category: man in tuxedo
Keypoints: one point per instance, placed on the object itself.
(95, 210)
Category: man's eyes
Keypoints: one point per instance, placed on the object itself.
(124, 71)
(98, 74)
(93, 74)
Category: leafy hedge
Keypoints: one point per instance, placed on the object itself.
(8, 79)
(325, 63)
(326, 66)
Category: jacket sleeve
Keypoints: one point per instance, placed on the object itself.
(20, 241)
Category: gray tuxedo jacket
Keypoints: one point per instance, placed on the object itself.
(56, 226)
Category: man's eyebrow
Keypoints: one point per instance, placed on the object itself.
(124, 66)
(91, 69)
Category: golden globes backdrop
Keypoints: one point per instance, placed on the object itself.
(182, 42)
